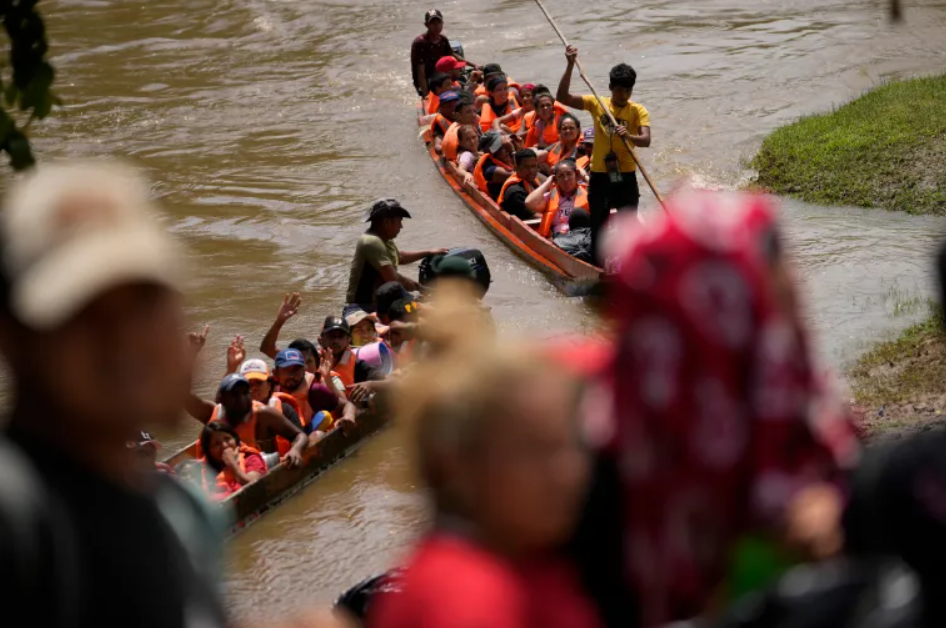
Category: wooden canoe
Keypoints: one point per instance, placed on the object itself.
(566, 271)
(280, 483)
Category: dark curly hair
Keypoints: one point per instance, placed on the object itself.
(622, 75)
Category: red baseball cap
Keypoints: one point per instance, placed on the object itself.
(448, 64)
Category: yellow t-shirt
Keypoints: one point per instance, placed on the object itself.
(632, 115)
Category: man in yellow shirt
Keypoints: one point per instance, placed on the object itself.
(613, 180)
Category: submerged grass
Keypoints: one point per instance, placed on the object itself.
(885, 149)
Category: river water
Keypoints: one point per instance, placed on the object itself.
(267, 126)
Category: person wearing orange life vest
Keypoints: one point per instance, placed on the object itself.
(585, 148)
(495, 165)
(511, 123)
(467, 154)
(453, 68)
(489, 71)
(557, 197)
(439, 83)
(499, 103)
(512, 197)
(296, 382)
(449, 102)
(228, 463)
(465, 116)
(540, 128)
(569, 133)
(256, 424)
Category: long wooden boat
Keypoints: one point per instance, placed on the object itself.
(566, 271)
(280, 483)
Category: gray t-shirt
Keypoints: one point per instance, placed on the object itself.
(371, 255)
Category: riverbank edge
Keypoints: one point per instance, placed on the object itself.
(872, 152)
(880, 150)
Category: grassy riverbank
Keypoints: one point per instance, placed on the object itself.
(885, 149)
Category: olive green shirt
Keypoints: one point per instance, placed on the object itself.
(371, 255)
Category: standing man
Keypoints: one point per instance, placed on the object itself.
(90, 282)
(428, 49)
(613, 179)
(377, 257)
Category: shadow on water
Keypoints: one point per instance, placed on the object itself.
(268, 126)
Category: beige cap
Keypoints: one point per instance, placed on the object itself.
(73, 231)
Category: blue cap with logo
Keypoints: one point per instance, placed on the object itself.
(289, 357)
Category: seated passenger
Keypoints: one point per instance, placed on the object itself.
(465, 116)
(467, 153)
(577, 240)
(587, 145)
(490, 70)
(569, 132)
(438, 83)
(256, 424)
(500, 102)
(363, 331)
(512, 197)
(229, 464)
(557, 197)
(495, 165)
(263, 389)
(540, 128)
(444, 118)
(452, 67)
(336, 338)
(512, 121)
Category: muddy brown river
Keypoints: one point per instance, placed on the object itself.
(267, 126)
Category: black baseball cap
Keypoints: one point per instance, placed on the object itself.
(335, 322)
(385, 208)
(433, 14)
(492, 68)
(387, 294)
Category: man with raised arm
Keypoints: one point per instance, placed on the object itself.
(613, 179)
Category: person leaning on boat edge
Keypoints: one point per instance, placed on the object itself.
(90, 318)
(377, 257)
(428, 48)
(613, 179)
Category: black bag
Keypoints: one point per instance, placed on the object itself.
(474, 257)
(576, 243)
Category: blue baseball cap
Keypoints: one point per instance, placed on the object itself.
(289, 357)
(231, 381)
(449, 97)
(588, 136)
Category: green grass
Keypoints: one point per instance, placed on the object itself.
(885, 149)
(910, 368)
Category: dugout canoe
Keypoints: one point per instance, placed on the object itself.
(567, 272)
(280, 483)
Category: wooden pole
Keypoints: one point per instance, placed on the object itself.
(581, 73)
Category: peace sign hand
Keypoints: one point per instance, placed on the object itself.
(236, 354)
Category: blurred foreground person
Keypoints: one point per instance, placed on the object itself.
(726, 447)
(89, 281)
(498, 445)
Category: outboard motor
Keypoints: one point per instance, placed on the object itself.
(474, 257)
(458, 48)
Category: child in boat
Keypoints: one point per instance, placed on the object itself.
(498, 446)
(556, 197)
(229, 465)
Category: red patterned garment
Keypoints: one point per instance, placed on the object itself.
(719, 414)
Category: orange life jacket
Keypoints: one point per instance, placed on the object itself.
(478, 175)
(301, 398)
(557, 153)
(551, 209)
(510, 181)
(583, 162)
(431, 104)
(245, 430)
(451, 142)
(487, 115)
(276, 401)
(438, 122)
(223, 479)
(549, 134)
(346, 372)
(481, 88)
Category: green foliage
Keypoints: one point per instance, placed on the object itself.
(885, 149)
(26, 83)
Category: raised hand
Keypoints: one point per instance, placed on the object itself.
(571, 53)
(236, 354)
(197, 340)
(289, 307)
(326, 363)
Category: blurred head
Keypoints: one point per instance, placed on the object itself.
(566, 176)
(588, 140)
(498, 90)
(235, 397)
(336, 335)
(256, 372)
(527, 96)
(89, 303)
(290, 370)
(216, 438)
(433, 20)
(467, 138)
(362, 327)
(569, 129)
(544, 106)
(386, 295)
(310, 353)
(498, 444)
(449, 103)
(466, 111)
(145, 450)
(439, 83)
(527, 164)
(622, 77)
(579, 219)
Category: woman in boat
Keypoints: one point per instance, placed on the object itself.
(499, 104)
(556, 197)
(540, 127)
(495, 165)
(229, 465)
(467, 154)
(569, 132)
(498, 446)
(512, 121)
